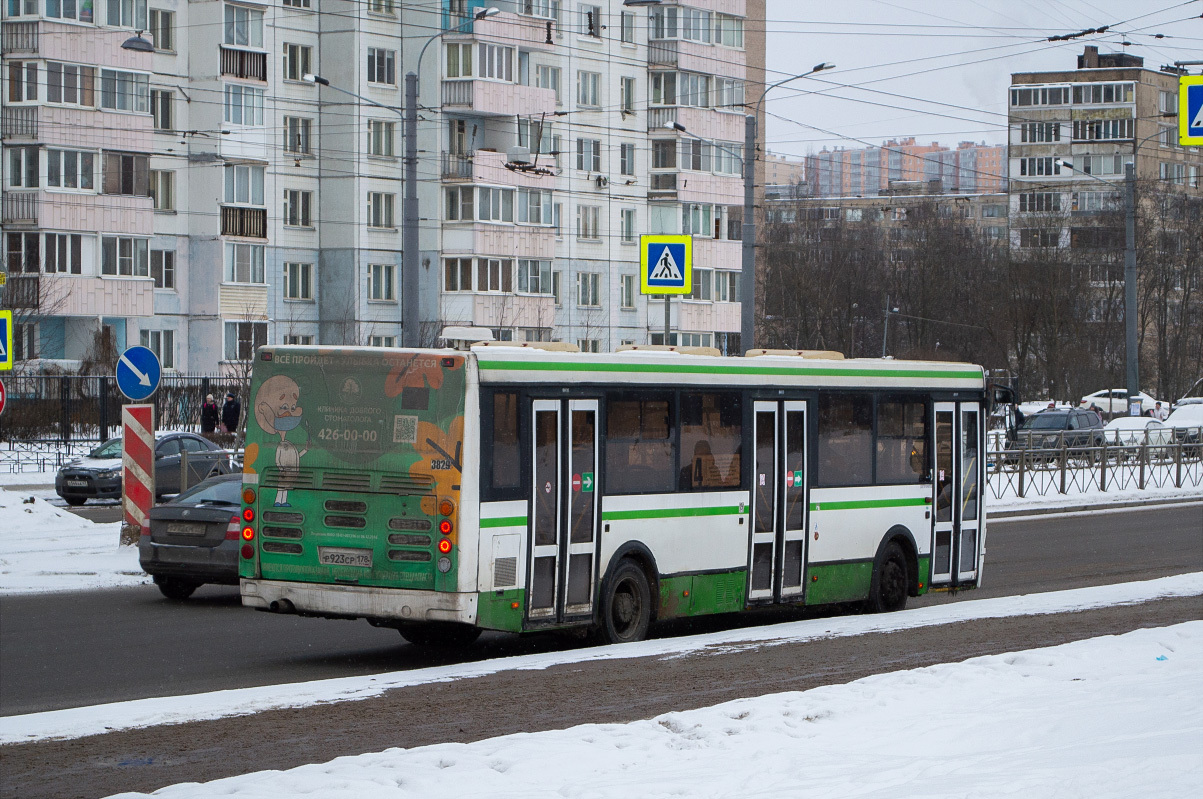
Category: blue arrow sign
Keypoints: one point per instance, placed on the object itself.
(138, 373)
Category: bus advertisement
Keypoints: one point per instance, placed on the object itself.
(513, 488)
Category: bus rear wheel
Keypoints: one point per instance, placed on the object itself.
(440, 635)
(888, 590)
(626, 605)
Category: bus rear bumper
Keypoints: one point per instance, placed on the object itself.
(359, 602)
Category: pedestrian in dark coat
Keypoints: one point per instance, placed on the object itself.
(209, 414)
(231, 412)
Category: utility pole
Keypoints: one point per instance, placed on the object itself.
(1131, 354)
(411, 324)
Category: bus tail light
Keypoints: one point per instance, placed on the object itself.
(232, 528)
(248, 533)
(248, 552)
(248, 496)
(445, 527)
(446, 507)
(248, 514)
(445, 546)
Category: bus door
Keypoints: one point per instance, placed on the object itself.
(956, 540)
(564, 510)
(779, 507)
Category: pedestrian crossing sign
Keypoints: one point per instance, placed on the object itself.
(666, 264)
(6, 340)
(1190, 110)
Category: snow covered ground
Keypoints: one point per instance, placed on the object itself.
(1106, 717)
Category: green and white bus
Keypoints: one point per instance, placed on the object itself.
(523, 488)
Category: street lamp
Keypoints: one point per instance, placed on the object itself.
(1131, 354)
(411, 326)
(747, 279)
(138, 44)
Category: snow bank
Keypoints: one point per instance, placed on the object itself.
(1106, 717)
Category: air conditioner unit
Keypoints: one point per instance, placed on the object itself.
(518, 155)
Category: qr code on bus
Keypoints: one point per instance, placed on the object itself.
(405, 429)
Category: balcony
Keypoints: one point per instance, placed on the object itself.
(663, 186)
(497, 98)
(21, 207)
(457, 166)
(248, 64)
(488, 166)
(248, 222)
(19, 37)
(696, 57)
(704, 122)
(19, 122)
(23, 292)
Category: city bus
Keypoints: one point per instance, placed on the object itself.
(533, 487)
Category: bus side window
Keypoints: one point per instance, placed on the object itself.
(845, 439)
(901, 440)
(640, 443)
(711, 435)
(506, 454)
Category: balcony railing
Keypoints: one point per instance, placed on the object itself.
(20, 206)
(20, 122)
(250, 222)
(20, 37)
(662, 184)
(457, 165)
(457, 92)
(23, 292)
(662, 52)
(247, 64)
(657, 116)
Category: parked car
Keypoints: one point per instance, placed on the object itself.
(194, 538)
(1115, 401)
(98, 474)
(1134, 431)
(1047, 430)
(1186, 423)
(1192, 397)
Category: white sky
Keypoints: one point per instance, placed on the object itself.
(943, 66)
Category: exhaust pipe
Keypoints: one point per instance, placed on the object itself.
(281, 606)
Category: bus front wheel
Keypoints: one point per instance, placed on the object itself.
(888, 590)
(440, 635)
(626, 606)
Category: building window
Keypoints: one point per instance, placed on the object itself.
(298, 281)
(588, 222)
(728, 92)
(588, 345)
(548, 78)
(127, 14)
(627, 224)
(664, 22)
(22, 81)
(22, 253)
(124, 91)
(664, 88)
(298, 59)
(297, 131)
(457, 274)
(703, 285)
(459, 59)
(381, 135)
(1040, 202)
(23, 167)
(70, 84)
(695, 155)
(1103, 93)
(588, 289)
(126, 173)
(243, 338)
(1039, 132)
(590, 19)
(588, 155)
(162, 28)
(494, 274)
(534, 206)
(244, 184)
(1104, 129)
(243, 104)
(534, 277)
(162, 268)
(381, 283)
(298, 338)
(243, 26)
(628, 291)
(495, 62)
(1044, 95)
(626, 158)
(162, 344)
(64, 253)
(627, 29)
(495, 205)
(557, 212)
(695, 25)
(382, 7)
(25, 341)
(382, 66)
(298, 207)
(125, 256)
(1039, 237)
(694, 90)
(244, 263)
(55, 9)
(380, 209)
(382, 341)
(160, 108)
(588, 89)
(729, 30)
(626, 95)
(460, 205)
(1039, 166)
(162, 189)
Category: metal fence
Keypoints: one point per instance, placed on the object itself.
(50, 418)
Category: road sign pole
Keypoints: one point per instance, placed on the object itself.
(137, 469)
(668, 298)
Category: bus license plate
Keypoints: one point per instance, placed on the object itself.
(337, 556)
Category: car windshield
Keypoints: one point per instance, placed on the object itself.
(215, 492)
(109, 449)
(1045, 421)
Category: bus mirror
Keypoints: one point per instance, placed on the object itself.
(1001, 395)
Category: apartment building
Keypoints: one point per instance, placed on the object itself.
(231, 202)
(969, 168)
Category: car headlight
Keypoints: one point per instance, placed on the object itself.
(1049, 441)
(109, 473)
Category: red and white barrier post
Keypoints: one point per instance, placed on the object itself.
(137, 466)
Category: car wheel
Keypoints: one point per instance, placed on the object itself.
(75, 501)
(176, 588)
(888, 589)
(626, 611)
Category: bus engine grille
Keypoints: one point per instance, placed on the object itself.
(274, 477)
(405, 484)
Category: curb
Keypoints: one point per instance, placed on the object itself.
(1037, 510)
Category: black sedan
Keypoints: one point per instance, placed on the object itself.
(194, 538)
(97, 475)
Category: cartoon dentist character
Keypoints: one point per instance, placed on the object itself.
(277, 411)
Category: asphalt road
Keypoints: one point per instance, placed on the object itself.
(74, 649)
